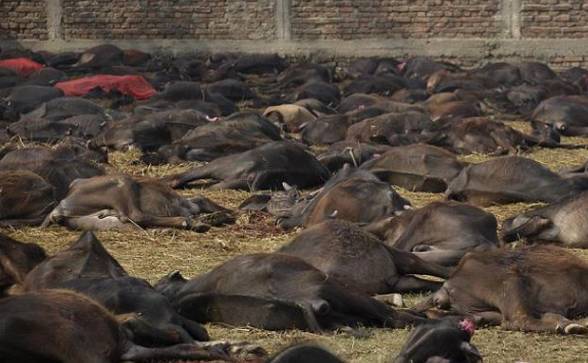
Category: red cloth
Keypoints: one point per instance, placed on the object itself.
(23, 66)
(135, 86)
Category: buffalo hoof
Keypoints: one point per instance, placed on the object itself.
(391, 299)
(576, 329)
(217, 219)
(243, 351)
(199, 227)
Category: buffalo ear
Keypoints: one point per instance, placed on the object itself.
(287, 187)
(176, 276)
(472, 353)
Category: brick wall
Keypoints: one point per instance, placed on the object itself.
(477, 30)
(164, 19)
(360, 19)
(554, 19)
(25, 19)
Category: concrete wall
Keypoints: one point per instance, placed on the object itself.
(465, 31)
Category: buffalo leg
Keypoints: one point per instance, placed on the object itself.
(519, 316)
(406, 284)
(179, 180)
(409, 263)
(231, 184)
(546, 323)
(181, 351)
(441, 257)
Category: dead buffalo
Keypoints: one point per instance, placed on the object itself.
(352, 153)
(232, 89)
(239, 132)
(564, 113)
(276, 292)
(445, 341)
(25, 198)
(59, 166)
(441, 232)
(370, 66)
(86, 258)
(533, 289)
(304, 353)
(151, 131)
(383, 84)
(512, 179)
(265, 167)
(423, 67)
(328, 129)
(356, 258)
(354, 195)
(101, 56)
(61, 108)
(292, 116)
(49, 131)
(63, 326)
(253, 63)
(391, 128)
(359, 101)
(16, 260)
(562, 223)
(505, 74)
(482, 136)
(24, 99)
(118, 201)
(535, 72)
(86, 267)
(418, 167)
(454, 109)
(327, 93)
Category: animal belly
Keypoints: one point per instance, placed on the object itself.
(95, 223)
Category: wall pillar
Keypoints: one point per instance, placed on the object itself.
(283, 19)
(511, 18)
(54, 19)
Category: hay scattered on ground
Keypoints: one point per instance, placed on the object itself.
(154, 253)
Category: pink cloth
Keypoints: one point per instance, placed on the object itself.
(134, 86)
(23, 66)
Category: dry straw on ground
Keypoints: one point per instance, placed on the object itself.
(151, 254)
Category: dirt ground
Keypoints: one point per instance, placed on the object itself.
(154, 253)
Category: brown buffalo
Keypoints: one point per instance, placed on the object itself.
(445, 341)
(344, 251)
(58, 166)
(62, 326)
(566, 114)
(304, 353)
(86, 267)
(292, 116)
(276, 292)
(561, 223)
(419, 167)
(455, 109)
(360, 101)
(353, 195)
(85, 258)
(391, 128)
(352, 153)
(265, 167)
(533, 289)
(25, 198)
(222, 137)
(480, 135)
(116, 201)
(441, 232)
(512, 179)
(151, 131)
(16, 260)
